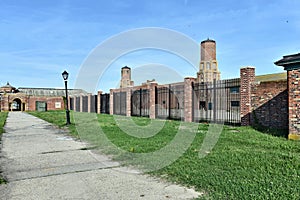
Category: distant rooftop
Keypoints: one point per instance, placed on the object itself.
(49, 91)
(271, 77)
(8, 86)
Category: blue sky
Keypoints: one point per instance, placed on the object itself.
(40, 39)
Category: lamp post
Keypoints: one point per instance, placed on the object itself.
(65, 76)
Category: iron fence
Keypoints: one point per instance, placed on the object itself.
(119, 107)
(169, 102)
(104, 104)
(77, 104)
(71, 103)
(85, 104)
(93, 103)
(217, 101)
(140, 103)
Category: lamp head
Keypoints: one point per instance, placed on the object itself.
(65, 75)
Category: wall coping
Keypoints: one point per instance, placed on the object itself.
(289, 62)
(248, 67)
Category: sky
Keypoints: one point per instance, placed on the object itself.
(41, 39)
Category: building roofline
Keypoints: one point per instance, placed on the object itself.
(271, 77)
(8, 86)
(288, 60)
(46, 88)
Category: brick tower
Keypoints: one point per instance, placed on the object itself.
(126, 77)
(208, 68)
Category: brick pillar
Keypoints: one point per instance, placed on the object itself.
(6, 103)
(128, 102)
(111, 102)
(247, 75)
(75, 101)
(291, 64)
(188, 99)
(293, 82)
(152, 105)
(99, 102)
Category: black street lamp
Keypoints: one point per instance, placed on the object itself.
(65, 76)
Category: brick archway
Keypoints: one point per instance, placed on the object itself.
(17, 105)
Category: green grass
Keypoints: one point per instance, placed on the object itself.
(57, 118)
(3, 116)
(244, 164)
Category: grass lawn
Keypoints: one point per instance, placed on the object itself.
(244, 164)
(3, 116)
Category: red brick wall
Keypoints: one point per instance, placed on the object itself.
(263, 104)
(30, 101)
(50, 102)
(7, 99)
(269, 103)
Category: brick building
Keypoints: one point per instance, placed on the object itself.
(30, 99)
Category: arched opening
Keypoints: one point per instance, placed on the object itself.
(16, 105)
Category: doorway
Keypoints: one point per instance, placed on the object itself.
(16, 105)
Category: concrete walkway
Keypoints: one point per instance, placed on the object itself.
(42, 162)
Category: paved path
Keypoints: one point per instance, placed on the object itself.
(42, 162)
